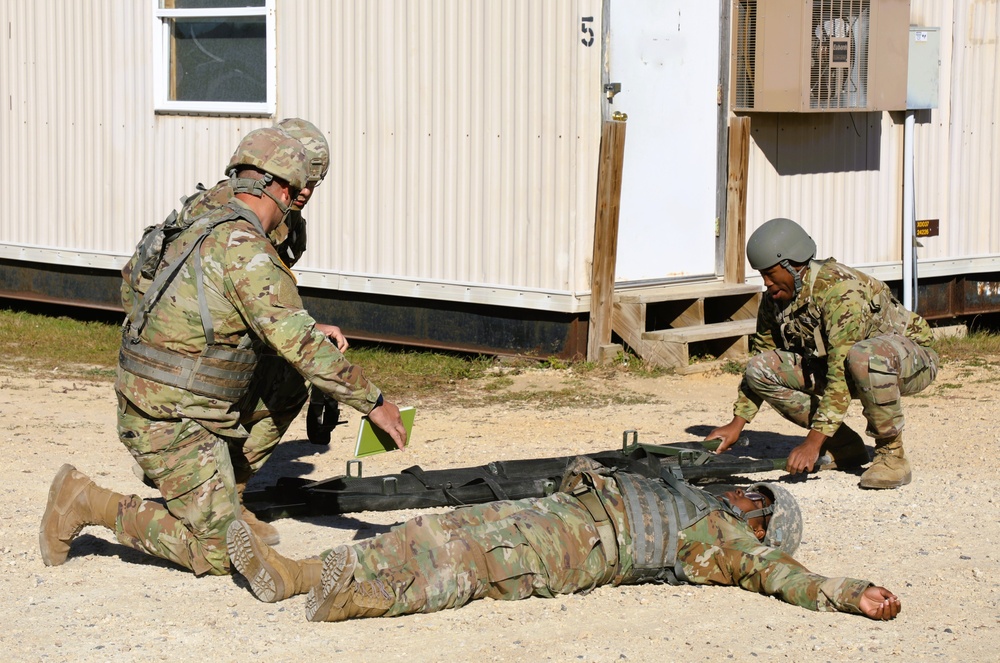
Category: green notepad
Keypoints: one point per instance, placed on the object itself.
(372, 440)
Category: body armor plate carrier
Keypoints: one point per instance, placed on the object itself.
(652, 505)
(220, 371)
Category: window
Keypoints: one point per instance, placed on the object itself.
(214, 56)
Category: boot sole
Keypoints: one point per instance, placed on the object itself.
(55, 554)
(877, 484)
(337, 574)
(265, 583)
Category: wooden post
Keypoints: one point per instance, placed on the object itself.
(734, 270)
(602, 278)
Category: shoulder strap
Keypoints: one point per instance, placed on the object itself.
(164, 277)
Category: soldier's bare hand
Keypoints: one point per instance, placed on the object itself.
(728, 434)
(386, 416)
(880, 603)
(336, 337)
(802, 459)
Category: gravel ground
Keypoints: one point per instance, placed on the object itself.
(932, 542)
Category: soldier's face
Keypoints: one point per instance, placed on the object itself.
(747, 502)
(304, 195)
(780, 284)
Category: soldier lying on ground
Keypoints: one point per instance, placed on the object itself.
(827, 333)
(597, 530)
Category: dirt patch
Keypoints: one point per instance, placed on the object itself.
(933, 542)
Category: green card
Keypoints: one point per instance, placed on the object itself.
(373, 440)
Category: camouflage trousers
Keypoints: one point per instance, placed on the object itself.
(276, 396)
(879, 371)
(199, 472)
(502, 550)
(192, 469)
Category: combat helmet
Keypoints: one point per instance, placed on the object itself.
(317, 148)
(275, 153)
(779, 241)
(784, 531)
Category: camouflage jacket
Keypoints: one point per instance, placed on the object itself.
(249, 291)
(720, 549)
(836, 308)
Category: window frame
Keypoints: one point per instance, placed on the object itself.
(161, 62)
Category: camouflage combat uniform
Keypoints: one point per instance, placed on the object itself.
(554, 545)
(844, 336)
(187, 442)
(277, 391)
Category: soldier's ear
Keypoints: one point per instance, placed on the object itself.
(759, 533)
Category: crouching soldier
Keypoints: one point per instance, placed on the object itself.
(827, 334)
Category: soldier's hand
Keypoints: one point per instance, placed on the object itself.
(879, 603)
(386, 416)
(728, 434)
(333, 333)
(803, 457)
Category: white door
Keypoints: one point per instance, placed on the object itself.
(665, 55)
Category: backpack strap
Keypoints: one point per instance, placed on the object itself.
(137, 318)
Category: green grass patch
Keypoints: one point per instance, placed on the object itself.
(977, 348)
(61, 345)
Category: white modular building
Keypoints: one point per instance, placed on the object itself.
(464, 196)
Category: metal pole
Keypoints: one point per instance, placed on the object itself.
(909, 222)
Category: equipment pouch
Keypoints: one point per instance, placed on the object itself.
(149, 251)
(884, 380)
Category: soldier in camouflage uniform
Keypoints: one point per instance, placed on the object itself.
(597, 530)
(826, 334)
(277, 391)
(204, 299)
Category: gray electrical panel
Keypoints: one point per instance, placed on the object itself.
(923, 71)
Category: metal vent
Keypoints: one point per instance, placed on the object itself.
(838, 73)
(746, 52)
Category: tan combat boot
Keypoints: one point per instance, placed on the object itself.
(74, 502)
(272, 577)
(339, 596)
(846, 450)
(266, 532)
(890, 469)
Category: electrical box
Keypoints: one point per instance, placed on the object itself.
(806, 56)
(924, 69)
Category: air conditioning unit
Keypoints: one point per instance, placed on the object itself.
(806, 56)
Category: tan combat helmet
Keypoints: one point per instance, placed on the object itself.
(275, 153)
(317, 148)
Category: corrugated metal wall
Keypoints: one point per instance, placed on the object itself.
(840, 175)
(466, 136)
(467, 133)
(91, 162)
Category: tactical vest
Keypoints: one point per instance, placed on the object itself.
(657, 510)
(799, 322)
(220, 371)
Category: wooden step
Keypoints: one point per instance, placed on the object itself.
(695, 333)
(668, 325)
(670, 293)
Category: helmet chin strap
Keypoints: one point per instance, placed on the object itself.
(284, 209)
(795, 275)
(745, 516)
(259, 188)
